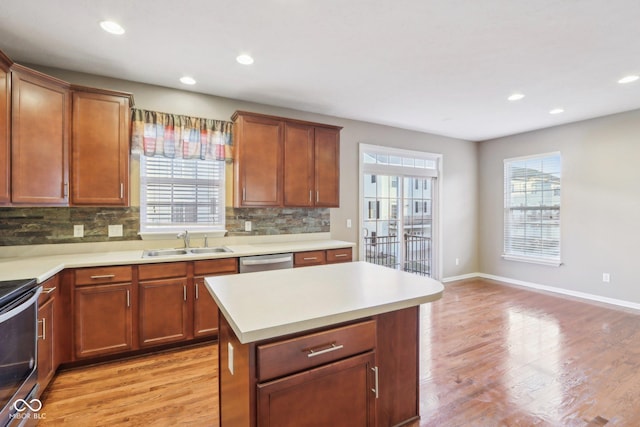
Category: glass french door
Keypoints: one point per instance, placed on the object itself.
(398, 221)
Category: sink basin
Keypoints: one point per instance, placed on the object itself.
(163, 252)
(195, 251)
(215, 250)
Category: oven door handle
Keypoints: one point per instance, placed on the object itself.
(22, 307)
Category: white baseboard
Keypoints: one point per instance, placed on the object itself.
(553, 289)
(461, 277)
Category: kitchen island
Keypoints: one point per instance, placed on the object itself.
(327, 345)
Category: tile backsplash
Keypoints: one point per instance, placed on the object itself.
(46, 225)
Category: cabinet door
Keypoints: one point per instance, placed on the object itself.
(327, 167)
(39, 140)
(298, 165)
(99, 149)
(5, 134)
(338, 395)
(205, 310)
(46, 356)
(163, 311)
(258, 167)
(103, 320)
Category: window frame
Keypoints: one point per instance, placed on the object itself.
(149, 231)
(535, 257)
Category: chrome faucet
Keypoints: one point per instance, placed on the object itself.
(185, 236)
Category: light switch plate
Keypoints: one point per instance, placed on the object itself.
(115, 230)
(247, 226)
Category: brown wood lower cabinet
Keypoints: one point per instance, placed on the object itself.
(163, 310)
(339, 395)
(47, 311)
(205, 310)
(358, 374)
(103, 319)
(329, 256)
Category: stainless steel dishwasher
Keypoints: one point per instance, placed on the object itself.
(249, 264)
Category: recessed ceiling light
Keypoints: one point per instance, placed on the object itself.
(515, 96)
(112, 27)
(188, 80)
(629, 79)
(244, 59)
(556, 111)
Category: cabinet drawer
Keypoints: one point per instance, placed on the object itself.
(296, 354)
(161, 271)
(97, 275)
(309, 258)
(50, 288)
(339, 255)
(216, 266)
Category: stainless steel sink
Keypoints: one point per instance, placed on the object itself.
(219, 249)
(163, 252)
(196, 251)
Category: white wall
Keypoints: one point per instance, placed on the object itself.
(459, 174)
(600, 205)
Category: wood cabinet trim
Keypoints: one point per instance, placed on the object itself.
(239, 113)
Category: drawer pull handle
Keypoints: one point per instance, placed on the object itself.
(48, 290)
(104, 276)
(44, 329)
(314, 353)
(341, 255)
(313, 258)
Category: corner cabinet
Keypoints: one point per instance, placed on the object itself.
(283, 162)
(5, 129)
(100, 147)
(39, 138)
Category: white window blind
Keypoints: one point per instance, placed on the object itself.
(532, 208)
(179, 194)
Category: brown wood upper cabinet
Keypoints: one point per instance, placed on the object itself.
(100, 147)
(285, 162)
(39, 138)
(258, 160)
(5, 129)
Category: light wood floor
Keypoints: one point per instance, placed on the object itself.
(491, 355)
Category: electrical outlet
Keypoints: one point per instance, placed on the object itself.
(115, 230)
(78, 230)
(606, 277)
(247, 226)
(230, 358)
(348, 223)
(457, 261)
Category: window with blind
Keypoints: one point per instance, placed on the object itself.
(532, 209)
(180, 194)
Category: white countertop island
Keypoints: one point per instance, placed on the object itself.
(335, 344)
(269, 304)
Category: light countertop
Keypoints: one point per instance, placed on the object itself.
(269, 304)
(44, 267)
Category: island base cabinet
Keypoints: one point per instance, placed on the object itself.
(341, 394)
(358, 384)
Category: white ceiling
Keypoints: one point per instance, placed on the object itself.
(439, 66)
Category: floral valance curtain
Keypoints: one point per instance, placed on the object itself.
(175, 136)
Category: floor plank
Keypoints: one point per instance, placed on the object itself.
(492, 355)
(173, 388)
